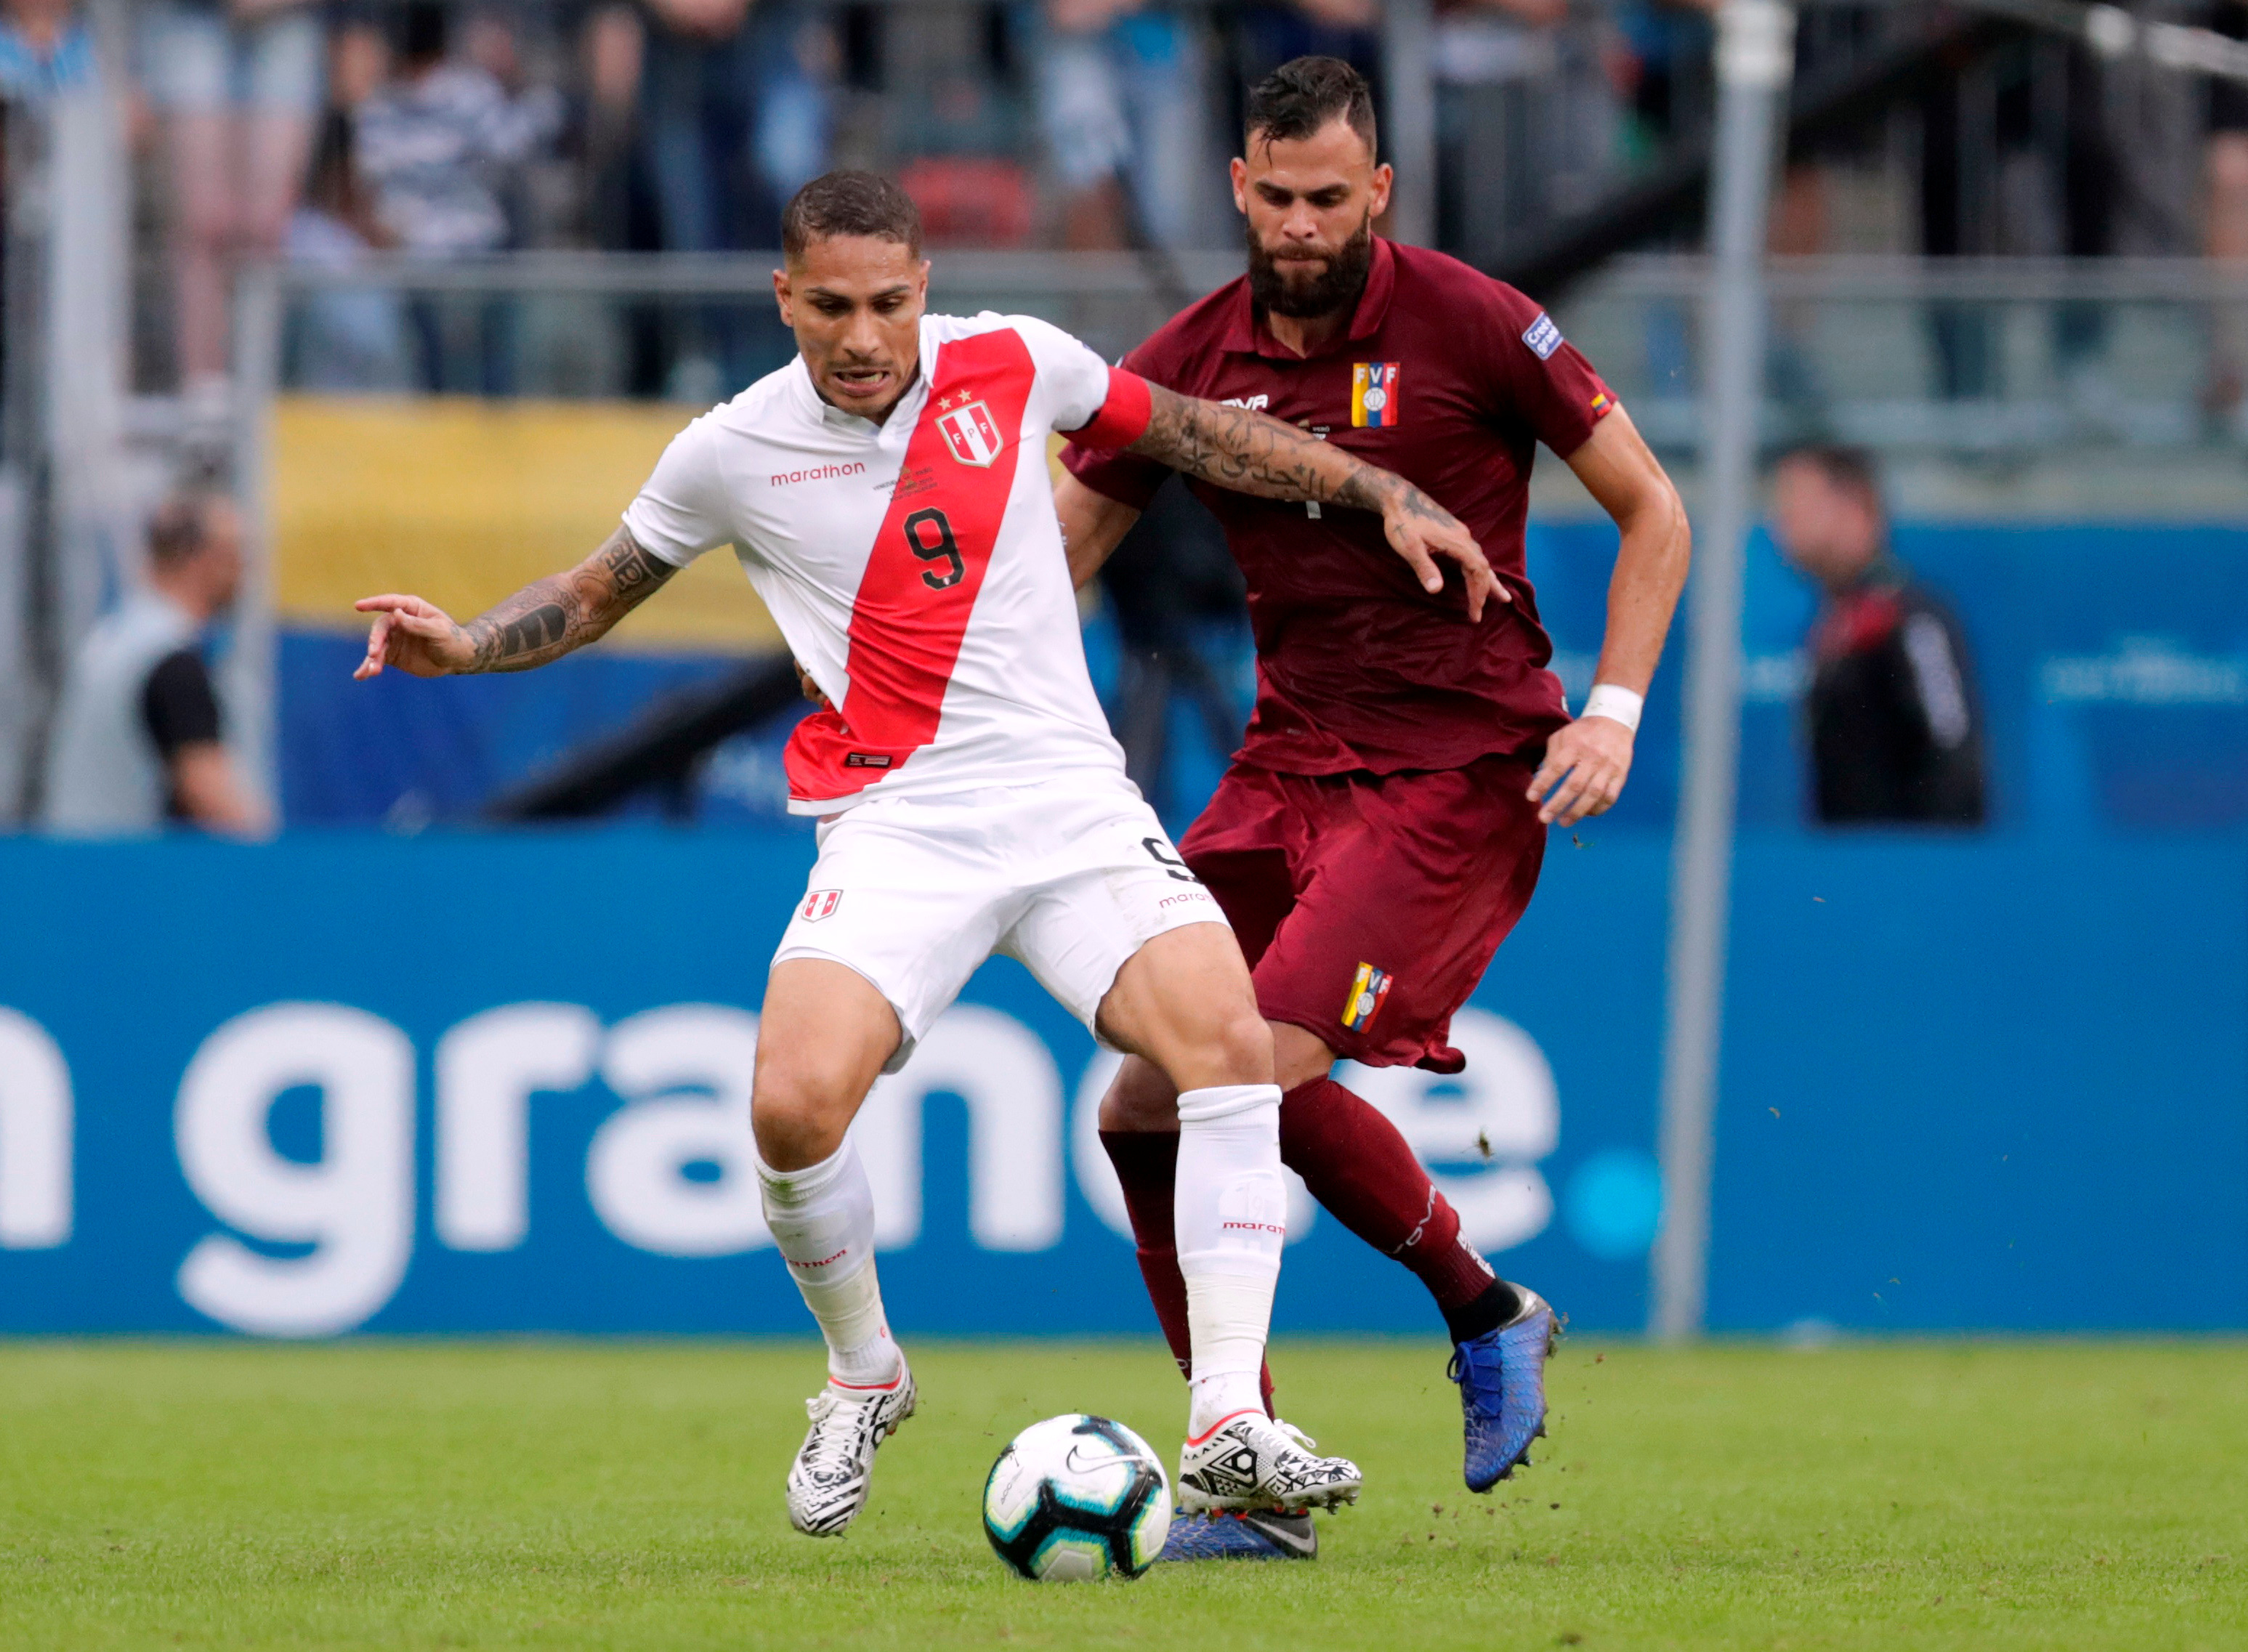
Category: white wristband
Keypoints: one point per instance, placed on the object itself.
(1618, 705)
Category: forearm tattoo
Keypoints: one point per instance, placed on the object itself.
(1255, 453)
(549, 617)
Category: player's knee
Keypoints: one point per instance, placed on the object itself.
(796, 1121)
(1241, 1047)
(1139, 1100)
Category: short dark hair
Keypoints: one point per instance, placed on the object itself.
(1852, 471)
(1300, 96)
(849, 203)
(179, 526)
(424, 31)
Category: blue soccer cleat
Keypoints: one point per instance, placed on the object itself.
(1502, 1378)
(1254, 1534)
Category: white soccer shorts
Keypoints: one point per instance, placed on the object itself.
(915, 893)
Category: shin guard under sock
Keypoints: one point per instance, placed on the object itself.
(822, 1217)
(1229, 1220)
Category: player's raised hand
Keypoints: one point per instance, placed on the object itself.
(418, 637)
(1420, 531)
(1584, 772)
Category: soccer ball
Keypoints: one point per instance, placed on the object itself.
(1077, 1498)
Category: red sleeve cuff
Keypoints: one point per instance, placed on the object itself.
(1123, 418)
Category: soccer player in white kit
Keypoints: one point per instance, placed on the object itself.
(887, 494)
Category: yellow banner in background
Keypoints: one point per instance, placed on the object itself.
(462, 501)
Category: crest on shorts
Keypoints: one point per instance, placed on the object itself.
(969, 429)
(1367, 989)
(820, 903)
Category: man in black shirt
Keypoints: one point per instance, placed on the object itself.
(137, 736)
(1896, 729)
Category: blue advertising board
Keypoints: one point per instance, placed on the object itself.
(456, 1082)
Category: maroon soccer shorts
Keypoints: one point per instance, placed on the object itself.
(1368, 906)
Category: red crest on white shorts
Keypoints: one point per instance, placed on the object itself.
(819, 904)
(972, 433)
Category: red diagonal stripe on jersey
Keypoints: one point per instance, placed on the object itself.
(906, 622)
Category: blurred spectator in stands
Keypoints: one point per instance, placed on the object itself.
(704, 117)
(342, 338)
(137, 738)
(1659, 60)
(2225, 220)
(1525, 119)
(1896, 729)
(45, 49)
(237, 83)
(1122, 90)
(1267, 34)
(734, 112)
(437, 144)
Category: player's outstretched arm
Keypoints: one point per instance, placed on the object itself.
(1256, 453)
(1587, 762)
(542, 621)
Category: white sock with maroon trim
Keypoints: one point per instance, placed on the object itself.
(822, 1217)
(1230, 1213)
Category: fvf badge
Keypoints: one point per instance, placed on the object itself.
(969, 429)
(820, 903)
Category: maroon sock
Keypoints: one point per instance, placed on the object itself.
(1359, 1165)
(1147, 1164)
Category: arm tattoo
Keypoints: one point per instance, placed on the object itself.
(549, 617)
(1255, 453)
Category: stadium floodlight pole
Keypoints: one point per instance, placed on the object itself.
(1756, 50)
(1409, 117)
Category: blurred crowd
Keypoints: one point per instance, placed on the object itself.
(455, 129)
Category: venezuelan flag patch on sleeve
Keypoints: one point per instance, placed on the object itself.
(1367, 989)
(1374, 394)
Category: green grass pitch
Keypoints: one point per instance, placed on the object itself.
(565, 1495)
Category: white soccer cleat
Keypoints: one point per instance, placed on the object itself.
(1248, 1461)
(828, 1482)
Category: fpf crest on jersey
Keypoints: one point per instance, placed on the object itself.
(972, 433)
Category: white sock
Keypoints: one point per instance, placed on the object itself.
(1231, 1214)
(823, 1219)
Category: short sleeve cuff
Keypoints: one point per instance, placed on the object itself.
(1123, 417)
(651, 538)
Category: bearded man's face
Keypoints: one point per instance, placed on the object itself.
(1310, 205)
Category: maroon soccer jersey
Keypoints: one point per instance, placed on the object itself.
(1449, 378)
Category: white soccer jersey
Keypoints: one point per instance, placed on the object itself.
(915, 567)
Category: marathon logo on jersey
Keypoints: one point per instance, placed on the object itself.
(969, 430)
(1543, 338)
(866, 760)
(1374, 394)
(814, 473)
(1367, 990)
(820, 903)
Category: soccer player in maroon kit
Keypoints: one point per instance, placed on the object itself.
(1381, 827)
